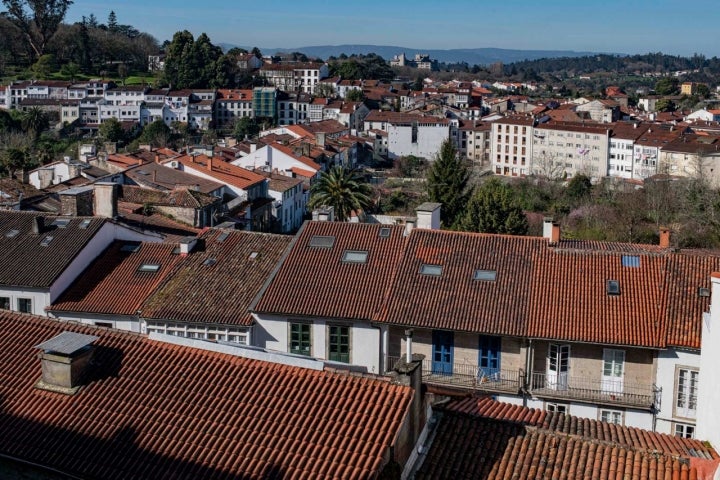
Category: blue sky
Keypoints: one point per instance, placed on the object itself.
(630, 26)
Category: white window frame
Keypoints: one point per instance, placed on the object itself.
(684, 430)
(686, 392)
(611, 416)
(558, 407)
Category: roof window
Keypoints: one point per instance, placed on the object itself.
(320, 241)
(485, 275)
(630, 261)
(130, 247)
(85, 224)
(61, 222)
(209, 262)
(149, 267)
(432, 270)
(12, 233)
(222, 237)
(354, 256)
(384, 232)
(46, 241)
(703, 292)
(613, 287)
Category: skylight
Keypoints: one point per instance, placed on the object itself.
(222, 237)
(130, 247)
(384, 232)
(210, 262)
(355, 256)
(485, 275)
(85, 224)
(613, 287)
(61, 222)
(630, 260)
(12, 233)
(149, 267)
(703, 292)
(46, 241)
(253, 255)
(319, 241)
(432, 270)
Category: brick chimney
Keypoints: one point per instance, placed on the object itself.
(551, 230)
(664, 237)
(210, 163)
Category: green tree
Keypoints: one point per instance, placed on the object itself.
(245, 127)
(111, 130)
(256, 51)
(665, 105)
(667, 86)
(579, 187)
(493, 208)
(156, 134)
(34, 120)
(44, 66)
(447, 183)
(70, 71)
(38, 20)
(344, 190)
(112, 24)
(355, 96)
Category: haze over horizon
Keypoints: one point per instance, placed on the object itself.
(611, 26)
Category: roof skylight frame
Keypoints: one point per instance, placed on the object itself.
(612, 287)
(355, 256)
(149, 267)
(703, 292)
(384, 232)
(12, 233)
(85, 224)
(431, 270)
(322, 241)
(484, 275)
(209, 262)
(130, 247)
(61, 222)
(46, 240)
(630, 261)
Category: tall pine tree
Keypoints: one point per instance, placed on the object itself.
(493, 208)
(447, 183)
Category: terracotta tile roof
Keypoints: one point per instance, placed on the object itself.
(338, 289)
(499, 441)
(26, 262)
(216, 283)
(402, 117)
(160, 176)
(181, 197)
(222, 171)
(453, 300)
(112, 284)
(160, 410)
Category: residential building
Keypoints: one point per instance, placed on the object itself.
(621, 161)
(232, 105)
(511, 145)
(601, 111)
(280, 159)
(409, 134)
(692, 155)
(646, 150)
(293, 108)
(265, 102)
(564, 149)
(218, 411)
(294, 76)
(421, 61)
(290, 198)
(475, 142)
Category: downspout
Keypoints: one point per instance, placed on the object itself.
(529, 360)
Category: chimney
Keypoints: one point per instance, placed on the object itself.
(76, 202)
(106, 198)
(551, 230)
(408, 345)
(409, 373)
(664, 237)
(64, 360)
(187, 245)
(210, 163)
(140, 161)
(154, 176)
(38, 225)
(157, 158)
(555, 237)
(428, 216)
(409, 225)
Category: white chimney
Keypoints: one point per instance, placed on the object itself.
(547, 227)
(106, 198)
(409, 225)
(408, 345)
(428, 216)
(187, 245)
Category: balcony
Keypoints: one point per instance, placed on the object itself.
(471, 377)
(586, 389)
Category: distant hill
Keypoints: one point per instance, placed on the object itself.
(473, 56)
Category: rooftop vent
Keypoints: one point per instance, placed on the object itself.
(64, 359)
(38, 225)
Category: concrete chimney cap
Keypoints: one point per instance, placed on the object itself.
(66, 343)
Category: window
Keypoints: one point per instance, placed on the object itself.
(485, 275)
(557, 408)
(24, 305)
(5, 303)
(300, 341)
(354, 256)
(432, 270)
(611, 416)
(489, 350)
(149, 267)
(339, 343)
(684, 430)
(104, 324)
(613, 287)
(630, 261)
(686, 392)
(319, 241)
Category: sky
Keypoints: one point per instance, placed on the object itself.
(629, 26)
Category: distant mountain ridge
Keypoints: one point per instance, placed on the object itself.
(473, 56)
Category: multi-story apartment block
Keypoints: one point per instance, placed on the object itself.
(265, 102)
(646, 150)
(511, 146)
(476, 136)
(622, 145)
(409, 134)
(231, 105)
(294, 77)
(563, 150)
(601, 111)
(692, 155)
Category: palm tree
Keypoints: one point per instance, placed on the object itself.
(344, 190)
(34, 120)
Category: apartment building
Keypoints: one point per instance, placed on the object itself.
(410, 134)
(621, 159)
(294, 76)
(563, 150)
(511, 146)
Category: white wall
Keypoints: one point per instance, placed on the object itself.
(666, 377)
(121, 322)
(708, 419)
(40, 298)
(429, 139)
(271, 332)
